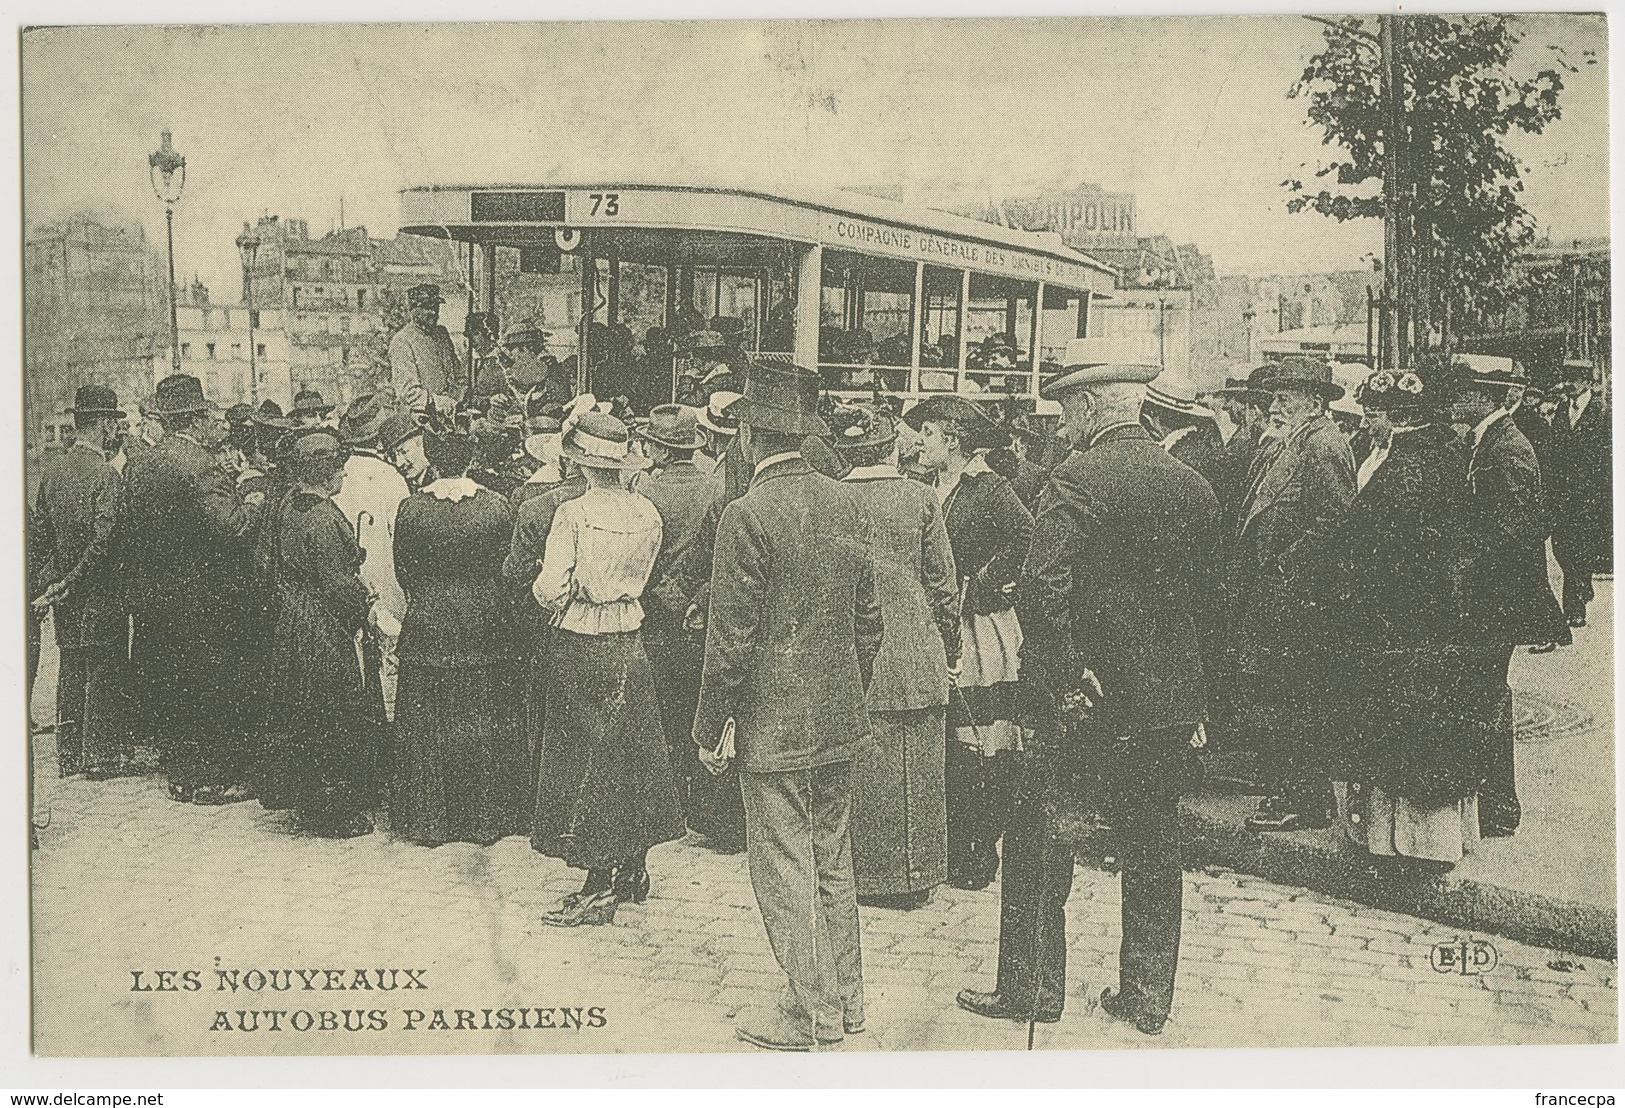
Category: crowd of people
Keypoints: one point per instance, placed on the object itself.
(868, 647)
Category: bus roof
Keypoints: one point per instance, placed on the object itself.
(809, 217)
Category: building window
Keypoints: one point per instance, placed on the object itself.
(361, 299)
(259, 349)
(186, 350)
(236, 351)
(254, 317)
(210, 348)
(344, 325)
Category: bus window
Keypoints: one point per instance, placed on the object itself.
(999, 327)
(865, 321)
(939, 330)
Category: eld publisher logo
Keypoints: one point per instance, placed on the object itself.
(1470, 957)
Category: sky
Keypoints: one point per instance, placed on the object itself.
(1190, 114)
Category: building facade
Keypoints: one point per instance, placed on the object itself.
(215, 349)
(95, 309)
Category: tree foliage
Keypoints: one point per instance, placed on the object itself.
(1461, 217)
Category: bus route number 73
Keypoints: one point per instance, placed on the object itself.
(605, 203)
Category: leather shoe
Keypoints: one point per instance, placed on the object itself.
(1577, 621)
(1543, 648)
(1115, 1006)
(997, 1006)
(771, 1029)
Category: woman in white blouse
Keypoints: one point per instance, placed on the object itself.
(605, 792)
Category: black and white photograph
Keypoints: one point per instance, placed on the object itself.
(817, 536)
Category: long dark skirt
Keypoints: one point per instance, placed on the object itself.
(461, 755)
(605, 791)
(899, 806)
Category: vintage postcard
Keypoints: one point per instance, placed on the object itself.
(819, 536)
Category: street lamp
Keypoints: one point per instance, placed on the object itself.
(167, 170)
(248, 245)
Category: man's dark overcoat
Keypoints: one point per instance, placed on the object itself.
(794, 623)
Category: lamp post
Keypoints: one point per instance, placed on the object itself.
(248, 244)
(167, 169)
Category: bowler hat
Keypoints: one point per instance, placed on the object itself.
(396, 429)
(1306, 374)
(1241, 389)
(362, 419)
(305, 402)
(781, 398)
(95, 400)
(673, 425)
(1096, 361)
(424, 296)
(180, 394)
(269, 414)
(600, 441)
(239, 415)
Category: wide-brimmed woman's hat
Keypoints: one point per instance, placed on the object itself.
(597, 440)
(1299, 373)
(857, 426)
(1389, 390)
(977, 430)
(673, 425)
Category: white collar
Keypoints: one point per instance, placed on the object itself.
(775, 459)
(880, 472)
(1487, 422)
(1175, 435)
(82, 445)
(452, 488)
(977, 464)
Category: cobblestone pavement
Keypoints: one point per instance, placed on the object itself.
(125, 880)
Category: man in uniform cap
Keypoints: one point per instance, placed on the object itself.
(421, 353)
(1118, 607)
(184, 550)
(790, 645)
(71, 528)
(1307, 485)
(369, 499)
(1582, 455)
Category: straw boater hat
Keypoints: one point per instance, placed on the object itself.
(718, 415)
(597, 440)
(1172, 392)
(1095, 361)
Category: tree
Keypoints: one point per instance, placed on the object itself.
(1459, 219)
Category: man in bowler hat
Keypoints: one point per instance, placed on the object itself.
(1507, 597)
(76, 512)
(790, 646)
(421, 353)
(1119, 610)
(184, 549)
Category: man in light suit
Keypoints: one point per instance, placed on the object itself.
(1304, 489)
(793, 629)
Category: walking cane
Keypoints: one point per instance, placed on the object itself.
(361, 634)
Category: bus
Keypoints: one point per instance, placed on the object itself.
(879, 297)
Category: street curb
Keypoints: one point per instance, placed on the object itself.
(1315, 860)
